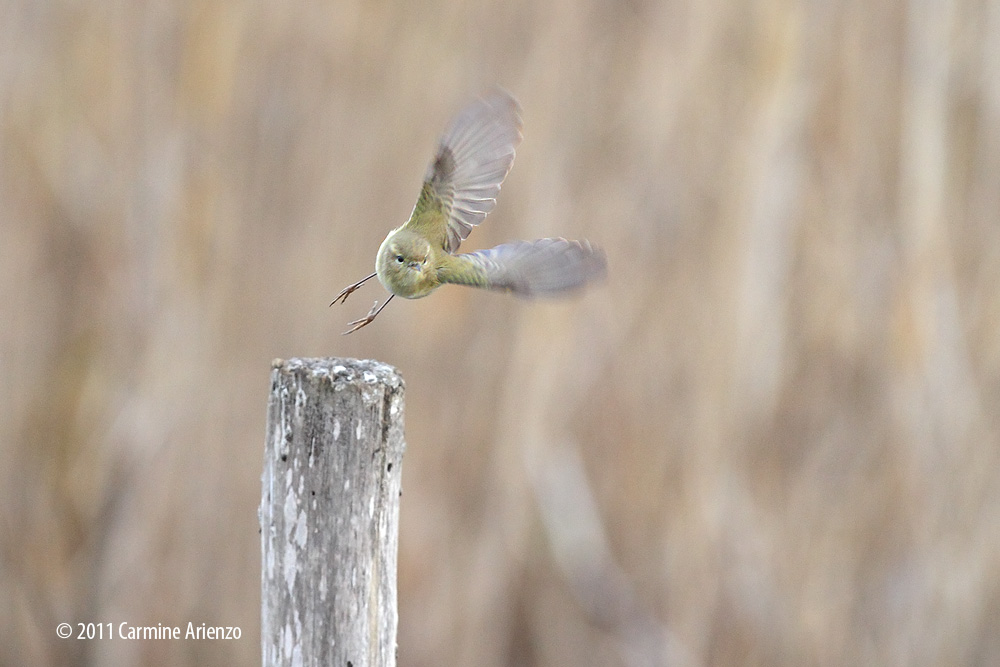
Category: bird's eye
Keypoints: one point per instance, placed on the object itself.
(399, 259)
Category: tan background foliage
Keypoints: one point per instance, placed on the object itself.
(770, 438)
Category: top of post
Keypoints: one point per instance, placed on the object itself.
(337, 369)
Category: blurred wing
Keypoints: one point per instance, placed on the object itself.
(474, 155)
(546, 267)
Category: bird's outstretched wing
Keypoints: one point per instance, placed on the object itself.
(473, 157)
(546, 267)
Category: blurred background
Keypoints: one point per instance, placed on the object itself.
(770, 438)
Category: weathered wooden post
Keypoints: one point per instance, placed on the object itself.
(329, 513)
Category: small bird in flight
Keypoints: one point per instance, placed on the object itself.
(460, 188)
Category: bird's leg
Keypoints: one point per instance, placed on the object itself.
(346, 292)
(367, 319)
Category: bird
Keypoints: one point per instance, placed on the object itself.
(473, 157)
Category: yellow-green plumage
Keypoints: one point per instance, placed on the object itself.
(460, 189)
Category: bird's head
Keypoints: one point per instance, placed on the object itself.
(404, 265)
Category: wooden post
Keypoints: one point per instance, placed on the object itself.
(329, 513)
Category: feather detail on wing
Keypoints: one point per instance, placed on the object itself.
(473, 158)
(546, 267)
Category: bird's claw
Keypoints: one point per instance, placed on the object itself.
(364, 321)
(346, 292)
